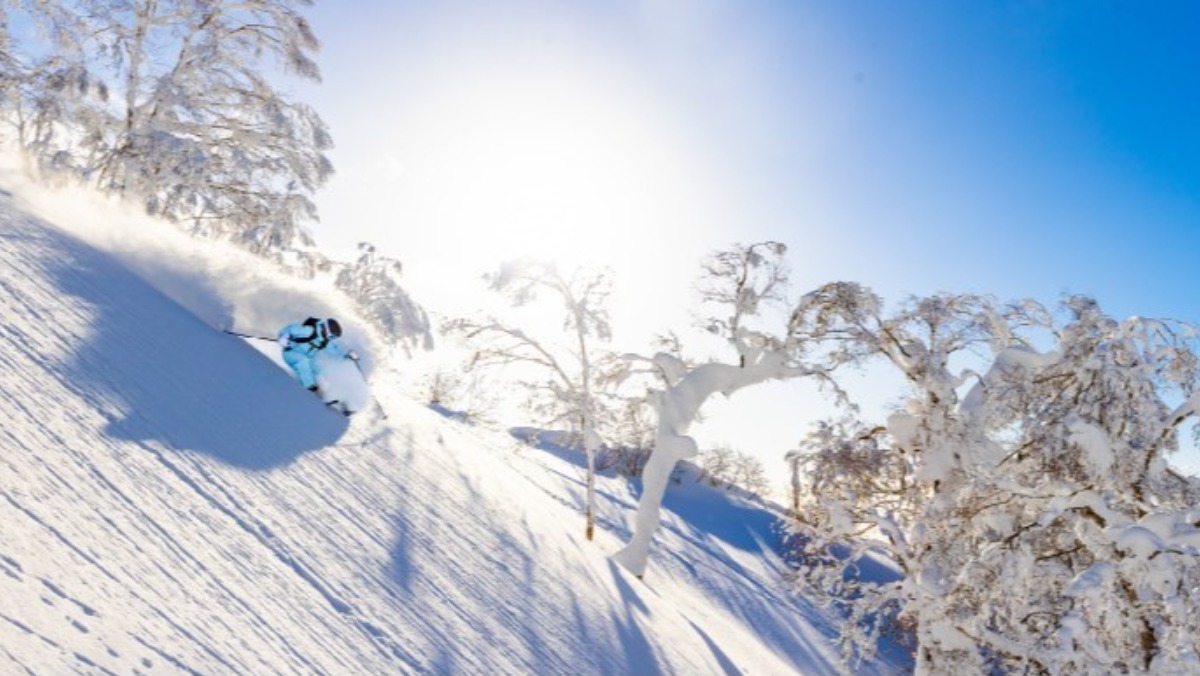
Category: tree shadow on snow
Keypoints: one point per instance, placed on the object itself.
(727, 664)
(638, 653)
(501, 563)
(734, 532)
(722, 523)
(158, 373)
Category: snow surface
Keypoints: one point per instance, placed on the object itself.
(172, 502)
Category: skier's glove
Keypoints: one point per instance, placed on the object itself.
(352, 356)
(283, 341)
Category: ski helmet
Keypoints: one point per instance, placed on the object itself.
(334, 327)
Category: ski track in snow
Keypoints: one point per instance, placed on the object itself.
(171, 502)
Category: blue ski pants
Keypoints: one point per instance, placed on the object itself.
(303, 365)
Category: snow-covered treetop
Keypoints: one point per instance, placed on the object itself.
(168, 102)
(173, 104)
(1030, 508)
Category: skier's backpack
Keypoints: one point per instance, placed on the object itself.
(319, 341)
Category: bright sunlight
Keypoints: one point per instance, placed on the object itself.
(543, 162)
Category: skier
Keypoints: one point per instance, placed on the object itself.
(302, 342)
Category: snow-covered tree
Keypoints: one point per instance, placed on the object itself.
(1034, 519)
(795, 463)
(627, 430)
(723, 466)
(750, 474)
(170, 102)
(716, 465)
(173, 104)
(373, 282)
(740, 284)
(563, 380)
(461, 395)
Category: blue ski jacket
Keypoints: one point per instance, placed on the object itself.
(307, 339)
(302, 342)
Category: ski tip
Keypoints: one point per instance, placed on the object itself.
(337, 405)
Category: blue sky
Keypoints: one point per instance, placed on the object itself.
(1022, 148)
(1019, 149)
(1039, 149)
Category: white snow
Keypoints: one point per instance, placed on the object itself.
(1093, 580)
(172, 502)
(903, 428)
(1097, 448)
(1138, 541)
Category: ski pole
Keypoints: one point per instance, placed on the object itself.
(246, 335)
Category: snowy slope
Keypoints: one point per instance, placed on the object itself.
(171, 502)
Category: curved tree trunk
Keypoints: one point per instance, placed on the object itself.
(677, 410)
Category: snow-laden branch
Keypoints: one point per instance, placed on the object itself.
(739, 283)
(567, 375)
(1035, 519)
(165, 102)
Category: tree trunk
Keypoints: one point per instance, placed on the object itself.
(590, 455)
(677, 410)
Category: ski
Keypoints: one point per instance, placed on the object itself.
(336, 405)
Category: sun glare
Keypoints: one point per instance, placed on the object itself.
(549, 164)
